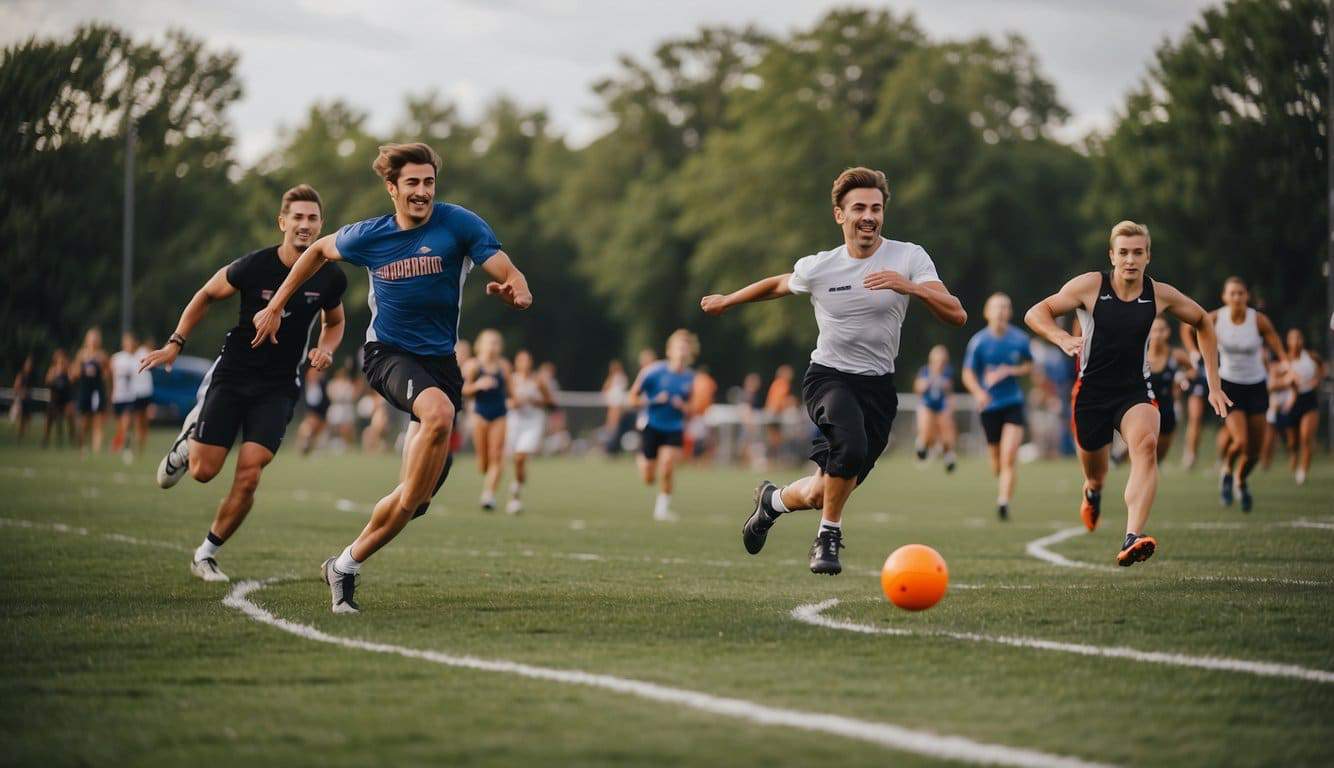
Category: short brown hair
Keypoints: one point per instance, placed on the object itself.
(858, 178)
(393, 157)
(301, 193)
(1129, 228)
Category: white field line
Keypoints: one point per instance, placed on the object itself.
(1039, 548)
(813, 614)
(1309, 524)
(78, 531)
(882, 734)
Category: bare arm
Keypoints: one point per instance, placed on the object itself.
(509, 283)
(1041, 317)
(331, 335)
(268, 319)
(1185, 309)
(944, 305)
(1271, 338)
(216, 289)
(633, 398)
(761, 290)
(975, 388)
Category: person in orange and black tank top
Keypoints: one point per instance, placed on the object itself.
(1114, 392)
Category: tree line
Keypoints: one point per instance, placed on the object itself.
(714, 170)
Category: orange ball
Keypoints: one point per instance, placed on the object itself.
(915, 577)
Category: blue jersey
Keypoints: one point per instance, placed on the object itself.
(660, 379)
(937, 387)
(417, 274)
(987, 351)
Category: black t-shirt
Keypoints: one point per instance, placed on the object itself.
(256, 277)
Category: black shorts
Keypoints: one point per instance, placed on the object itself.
(92, 400)
(259, 414)
(1167, 413)
(1096, 415)
(652, 439)
(141, 404)
(993, 422)
(400, 376)
(1305, 403)
(1199, 386)
(1250, 399)
(320, 408)
(854, 414)
(125, 407)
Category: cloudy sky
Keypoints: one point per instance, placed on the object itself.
(548, 52)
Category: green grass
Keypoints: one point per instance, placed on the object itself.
(116, 656)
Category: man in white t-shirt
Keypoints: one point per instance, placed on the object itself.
(860, 292)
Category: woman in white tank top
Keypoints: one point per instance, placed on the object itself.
(1306, 371)
(531, 396)
(1242, 335)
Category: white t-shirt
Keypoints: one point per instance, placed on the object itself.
(124, 367)
(859, 327)
(143, 382)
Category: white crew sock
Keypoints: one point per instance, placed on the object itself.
(831, 525)
(346, 564)
(208, 549)
(1001, 501)
(516, 489)
(663, 504)
(776, 501)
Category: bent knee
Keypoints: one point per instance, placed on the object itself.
(1145, 445)
(203, 471)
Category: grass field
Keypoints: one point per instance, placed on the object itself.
(116, 656)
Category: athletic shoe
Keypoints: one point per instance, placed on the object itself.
(174, 465)
(514, 507)
(1003, 512)
(1091, 509)
(1300, 477)
(1246, 500)
(342, 586)
(207, 569)
(1225, 489)
(921, 454)
(488, 502)
(756, 529)
(949, 462)
(665, 515)
(1137, 549)
(824, 552)
(1188, 461)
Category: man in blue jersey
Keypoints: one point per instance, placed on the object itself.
(418, 258)
(995, 359)
(664, 389)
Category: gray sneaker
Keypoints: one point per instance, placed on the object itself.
(207, 569)
(342, 586)
(177, 461)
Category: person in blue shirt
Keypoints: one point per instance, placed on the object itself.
(995, 359)
(935, 410)
(417, 258)
(663, 389)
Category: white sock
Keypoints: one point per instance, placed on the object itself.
(830, 525)
(1001, 501)
(663, 503)
(207, 549)
(515, 489)
(346, 564)
(776, 501)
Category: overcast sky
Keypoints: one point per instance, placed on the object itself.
(548, 52)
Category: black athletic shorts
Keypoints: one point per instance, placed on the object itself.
(400, 376)
(125, 407)
(141, 404)
(1167, 416)
(1199, 386)
(1096, 415)
(993, 422)
(92, 400)
(259, 414)
(1250, 399)
(652, 439)
(854, 413)
(1305, 403)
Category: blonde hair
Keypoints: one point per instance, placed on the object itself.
(484, 336)
(689, 339)
(1130, 228)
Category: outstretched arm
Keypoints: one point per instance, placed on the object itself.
(216, 289)
(509, 283)
(762, 290)
(269, 318)
(1185, 309)
(331, 335)
(1041, 317)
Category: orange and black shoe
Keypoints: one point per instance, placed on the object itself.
(1137, 549)
(1091, 509)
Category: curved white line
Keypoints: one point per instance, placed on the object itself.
(883, 734)
(813, 614)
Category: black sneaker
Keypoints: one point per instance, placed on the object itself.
(1003, 512)
(1246, 500)
(342, 586)
(824, 552)
(757, 526)
(1225, 489)
(949, 462)
(921, 454)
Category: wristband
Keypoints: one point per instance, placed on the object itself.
(178, 340)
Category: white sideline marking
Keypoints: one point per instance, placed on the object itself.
(77, 531)
(1038, 548)
(1309, 524)
(813, 614)
(883, 734)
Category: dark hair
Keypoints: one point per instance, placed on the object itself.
(301, 193)
(858, 178)
(393, 157)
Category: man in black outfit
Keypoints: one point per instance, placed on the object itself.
(252, 390)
